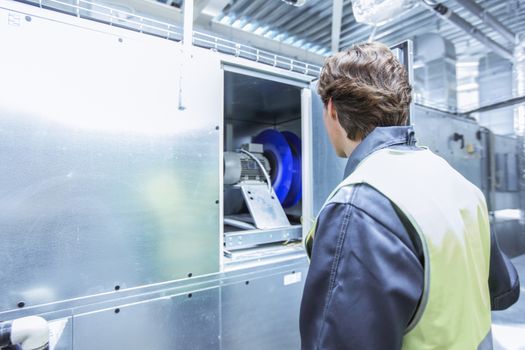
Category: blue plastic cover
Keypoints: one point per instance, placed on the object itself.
(279, 153)
(295, 192)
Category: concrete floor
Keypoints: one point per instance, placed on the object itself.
(508, 327)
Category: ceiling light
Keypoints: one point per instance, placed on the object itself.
(295, 2)
(378, 12)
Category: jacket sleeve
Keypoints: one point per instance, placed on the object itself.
(504, 283)
(364, 281)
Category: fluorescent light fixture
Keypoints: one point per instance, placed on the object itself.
(295, 2)
(378, 12)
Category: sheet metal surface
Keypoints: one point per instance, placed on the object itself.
(187, 321)
(263, 312)
(103, 180)
(436, 130)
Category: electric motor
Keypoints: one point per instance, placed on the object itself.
(239, 167)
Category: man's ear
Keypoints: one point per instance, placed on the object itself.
(332, 112)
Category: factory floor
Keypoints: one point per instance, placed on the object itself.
(508, 327)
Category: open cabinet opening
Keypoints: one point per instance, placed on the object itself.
(262, 185)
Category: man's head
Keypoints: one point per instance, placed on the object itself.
(362, 88)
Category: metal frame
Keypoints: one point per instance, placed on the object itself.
(251, 238)
(239, 65)
(337, 20)
(407, 48)
(146, 25)
(307, 160)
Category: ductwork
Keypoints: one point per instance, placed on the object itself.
(435, 82)
(447, 14)
(488, 19)
(494, 83)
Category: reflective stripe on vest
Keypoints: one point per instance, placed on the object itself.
(450, 216)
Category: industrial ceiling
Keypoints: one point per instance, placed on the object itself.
(310, 26)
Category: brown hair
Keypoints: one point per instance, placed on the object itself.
(368, 87)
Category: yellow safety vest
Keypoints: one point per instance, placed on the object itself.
(450, 216)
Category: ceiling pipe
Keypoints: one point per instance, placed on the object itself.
(337, 20)
(187, 39)
(488, 19)
(447, 14)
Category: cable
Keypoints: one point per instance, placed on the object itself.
(262, 168)
(239, 224)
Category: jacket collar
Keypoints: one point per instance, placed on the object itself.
(379, 138)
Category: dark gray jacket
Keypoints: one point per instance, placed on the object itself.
(366, 274)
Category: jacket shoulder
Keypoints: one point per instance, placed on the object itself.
(383, 212)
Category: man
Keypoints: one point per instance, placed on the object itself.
(401, 253)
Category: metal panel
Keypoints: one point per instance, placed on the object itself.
(264, 206)
(263, 312)
(466, 154)
(241, 70)
(188, 321)
(506, 172)
(328, 169)
(506, 177)
(512, 172)
(104, 180)
(252, 238)
(258, 99)
(404, 52)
